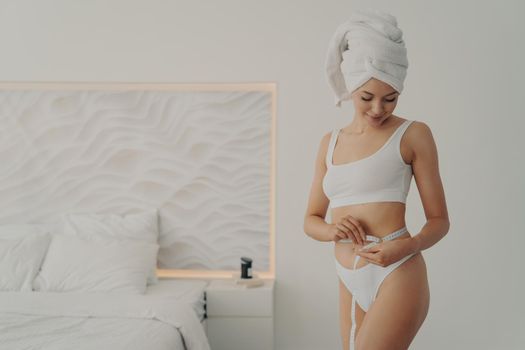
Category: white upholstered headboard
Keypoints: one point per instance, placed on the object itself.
(203, 155)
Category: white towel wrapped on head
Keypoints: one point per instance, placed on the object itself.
(368, 45)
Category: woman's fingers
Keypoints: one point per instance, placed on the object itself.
(358, 226)
(351, 231)
(355, 230)
(343, 231)
(341, 235)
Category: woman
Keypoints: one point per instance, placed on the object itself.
(363, 172)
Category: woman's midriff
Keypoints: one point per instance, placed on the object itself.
(377, 219)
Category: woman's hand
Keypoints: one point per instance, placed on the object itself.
(386, 252)
(348, 227)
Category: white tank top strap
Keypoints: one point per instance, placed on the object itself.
(398, 134)
(331, 146)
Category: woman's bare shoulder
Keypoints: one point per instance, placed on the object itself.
(418, 130)
(325, 140)
(419, 136)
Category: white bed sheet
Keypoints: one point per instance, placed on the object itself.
(189, 290)
(164, 318)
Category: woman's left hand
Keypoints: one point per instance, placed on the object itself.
(386, 252)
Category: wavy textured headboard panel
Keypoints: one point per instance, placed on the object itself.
(202, 154)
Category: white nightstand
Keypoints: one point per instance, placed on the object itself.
(239, 318)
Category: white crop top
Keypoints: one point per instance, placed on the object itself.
(380, 177)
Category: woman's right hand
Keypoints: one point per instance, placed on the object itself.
(348, 227)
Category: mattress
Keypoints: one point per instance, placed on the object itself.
(165, 318)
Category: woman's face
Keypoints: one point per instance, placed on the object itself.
(375, 101)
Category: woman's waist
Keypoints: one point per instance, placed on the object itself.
(344, 244)
(400, 233)
(379, 224)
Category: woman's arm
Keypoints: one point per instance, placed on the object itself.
(426, 173)
(315, 225)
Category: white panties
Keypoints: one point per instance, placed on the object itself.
(364, 282)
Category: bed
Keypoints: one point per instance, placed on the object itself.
(62, 290)
(166, 317)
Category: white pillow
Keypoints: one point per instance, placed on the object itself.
(20, 260)
(73, 264)
(140, 227)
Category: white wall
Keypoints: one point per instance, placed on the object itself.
(463, 81)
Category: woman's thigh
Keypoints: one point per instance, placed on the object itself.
(399, 309)
(345, 316)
